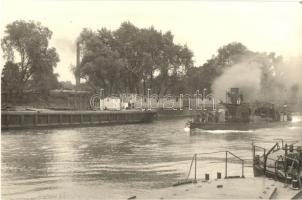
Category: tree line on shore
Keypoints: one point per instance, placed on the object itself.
(126, 60)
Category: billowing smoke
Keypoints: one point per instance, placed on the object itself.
(290, 75)
(280, 83)
(245, 76)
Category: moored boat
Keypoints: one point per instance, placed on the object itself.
(282, 162)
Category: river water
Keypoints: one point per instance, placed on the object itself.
(116, 162)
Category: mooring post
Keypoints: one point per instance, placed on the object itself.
(218, 175)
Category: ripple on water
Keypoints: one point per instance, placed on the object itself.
(118, 161)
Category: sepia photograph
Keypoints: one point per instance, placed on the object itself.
(151, 99)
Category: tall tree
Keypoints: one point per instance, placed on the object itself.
(131, 59)
(101, 65)
(127, 40)
(231, 54)
(25, 47)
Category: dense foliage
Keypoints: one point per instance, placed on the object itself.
(29, 60)
(131, 59)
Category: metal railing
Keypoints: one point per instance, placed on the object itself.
(226, 163)
(254, 150)
(194, 162)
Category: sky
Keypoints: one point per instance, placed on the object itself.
(203, 25)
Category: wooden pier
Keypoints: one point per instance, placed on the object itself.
(49, 119)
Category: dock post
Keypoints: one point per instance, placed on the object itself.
(218, 175)
(207, 177)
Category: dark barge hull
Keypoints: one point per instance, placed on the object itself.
(236, 125)
(54, 119)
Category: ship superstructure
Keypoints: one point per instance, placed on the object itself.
(237, 114)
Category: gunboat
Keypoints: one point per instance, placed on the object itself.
(235, 114)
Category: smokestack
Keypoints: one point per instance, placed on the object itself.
(234, 96)
(77, 74)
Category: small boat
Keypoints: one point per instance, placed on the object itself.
(235, 114)
(283, 162)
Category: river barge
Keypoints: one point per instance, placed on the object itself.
(54, 119)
